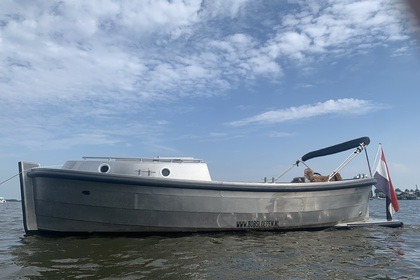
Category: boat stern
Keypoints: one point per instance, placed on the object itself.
(27, 196)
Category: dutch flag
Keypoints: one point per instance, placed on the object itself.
(384, 184)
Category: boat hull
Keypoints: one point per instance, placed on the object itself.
(70, 201)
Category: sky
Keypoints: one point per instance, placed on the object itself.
(248, 86)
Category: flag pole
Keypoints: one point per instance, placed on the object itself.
(388, 212)
(376, 163)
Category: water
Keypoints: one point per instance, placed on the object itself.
(363, 253)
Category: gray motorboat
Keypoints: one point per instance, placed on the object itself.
(139, 195)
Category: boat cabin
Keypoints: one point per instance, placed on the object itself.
(186, 168)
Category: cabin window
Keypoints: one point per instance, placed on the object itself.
(104, 168)
(165, 172)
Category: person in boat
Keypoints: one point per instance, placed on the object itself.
(312, 176)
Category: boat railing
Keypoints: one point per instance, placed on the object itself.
(157, 159)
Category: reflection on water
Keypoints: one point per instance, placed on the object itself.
(375, 253)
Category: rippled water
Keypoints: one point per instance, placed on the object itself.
(363, 253)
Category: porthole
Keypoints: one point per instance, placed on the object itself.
(104, 168)
(165, 172)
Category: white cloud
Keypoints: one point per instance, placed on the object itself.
(340, 106)
(293, 44)
(158, 49)
(338, 27)
(110, 59)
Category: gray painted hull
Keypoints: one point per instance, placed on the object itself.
(83, 202)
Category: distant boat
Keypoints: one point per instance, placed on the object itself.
(139, 195)
(2, 200)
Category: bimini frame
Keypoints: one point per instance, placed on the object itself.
(359, 144)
